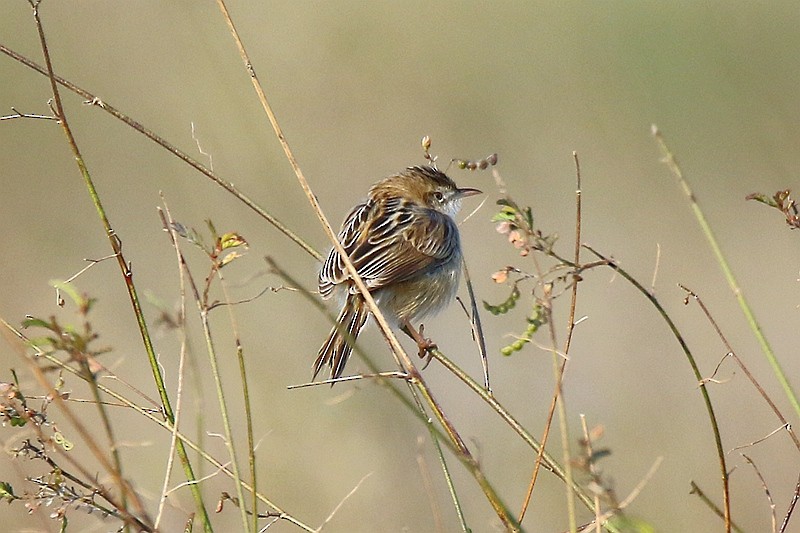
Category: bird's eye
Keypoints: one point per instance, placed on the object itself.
(438, 196)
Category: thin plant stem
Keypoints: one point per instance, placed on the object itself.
(696, 490)
(577, 252)
(672, 163)
(181, 364)
(116, 245)
(248, 410)
(158, 421)
(223, 407)
(451, 488)
(201, 300)
(548, 460)
(173, 438)
(560, 364)
(108, 428)
(792, 505)
(477, 329)
(91, 99)
(744, 368)
(695, 369)
(589, 454)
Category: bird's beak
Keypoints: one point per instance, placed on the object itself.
(463, 193)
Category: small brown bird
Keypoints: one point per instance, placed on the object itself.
(404, 243)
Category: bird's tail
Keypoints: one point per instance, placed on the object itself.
(337, 347)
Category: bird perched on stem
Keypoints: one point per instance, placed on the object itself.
(404, 243)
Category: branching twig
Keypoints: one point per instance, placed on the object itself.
(691, 294)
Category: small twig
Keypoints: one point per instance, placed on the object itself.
(92, 262)
(339, 506)
(549, 349)
(261, 293)
(17, 114)
(713, 506)
(587, 441)
(792, 504)
(477, 329)
(427, 483)
(474, 211)
(631, 496)
(762, 439)
(766, 491)
(389, 374)
(732, 353)
(655, 269)
(733, 284)
(92, 401)
(222, 467)
(642, 483)
(200, 149)
(711, 378)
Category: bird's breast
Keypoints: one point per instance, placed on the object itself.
(422, 295)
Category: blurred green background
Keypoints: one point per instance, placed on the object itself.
(355, 85)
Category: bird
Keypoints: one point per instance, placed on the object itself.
(404, 243)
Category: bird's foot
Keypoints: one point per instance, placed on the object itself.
(425, 345)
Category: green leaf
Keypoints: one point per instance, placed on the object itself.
(528, 216)
(34, 322)
(232, 240)
(71, 291)
(629, 524)
(191, 235)
(7, 491)
(212, 229)
(763, 198)
(507, 213)
(228, 258)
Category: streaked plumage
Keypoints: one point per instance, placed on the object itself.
(405, 245)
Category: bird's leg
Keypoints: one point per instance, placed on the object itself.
(425, 345)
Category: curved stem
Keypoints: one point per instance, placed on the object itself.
(127, 274)
(669, 159)
(703, 390)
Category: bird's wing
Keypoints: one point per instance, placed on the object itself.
(333, 270)
(390, 242)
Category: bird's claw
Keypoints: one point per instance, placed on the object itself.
(426, 347)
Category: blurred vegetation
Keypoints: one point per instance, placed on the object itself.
(355, 86)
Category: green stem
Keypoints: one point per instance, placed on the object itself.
(116, 246)
(671, 162)
(695, 369)
(223, 407)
